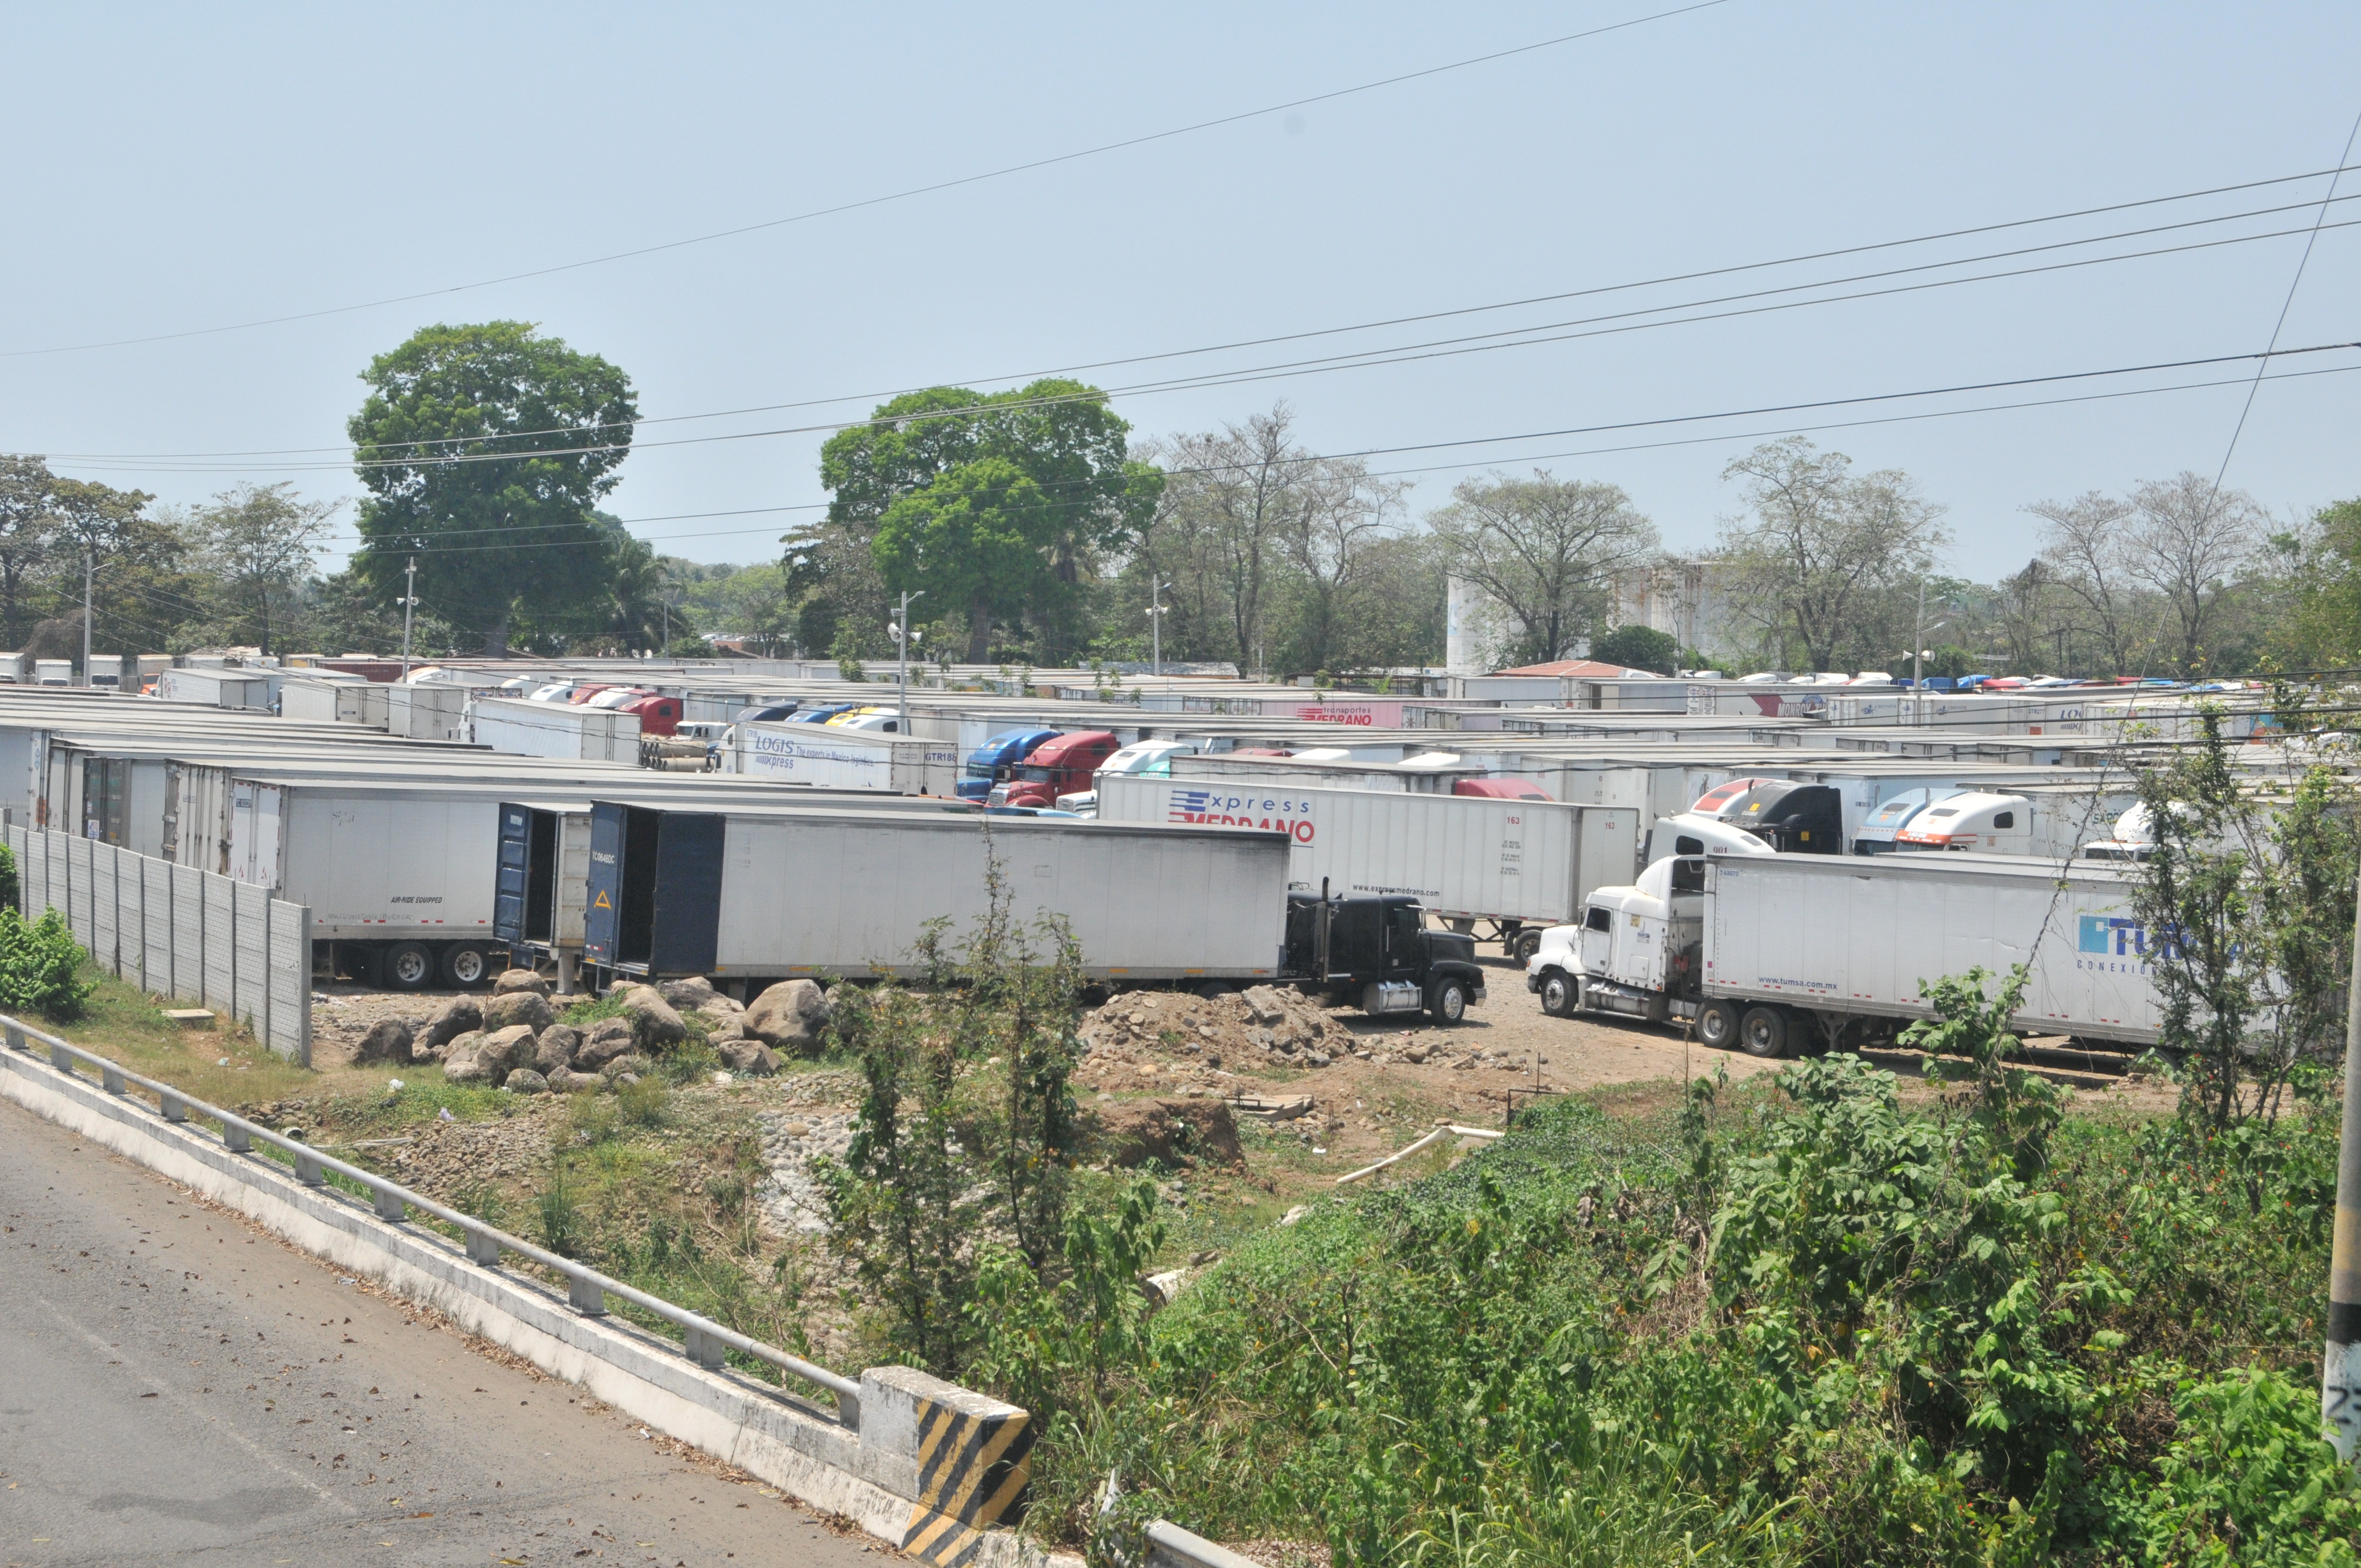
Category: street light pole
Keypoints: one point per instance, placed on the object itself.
(408, 598)
(2339, 1368)
(1156, 622)
(88, 565)
(902, 666)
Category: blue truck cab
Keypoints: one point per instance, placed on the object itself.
(997, 760)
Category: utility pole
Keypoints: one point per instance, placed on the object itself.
(409, 602)
(901, 629)
(2339, 1368)
(89, 562)
(1156, 621)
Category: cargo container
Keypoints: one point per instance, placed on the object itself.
(786, 752)
(748, 898)
(107, 672)
(348, 701)
(212, 687)
(542, 883)
(56, 672)
(426, 711)
(556, 729)
(1517, 866)
(1778, 953)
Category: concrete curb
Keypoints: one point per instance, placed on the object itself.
(759, 1430)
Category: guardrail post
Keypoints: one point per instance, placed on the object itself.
(175, 1109)
(17, 1037)
(307, 1170)
(585, 1297)
(112, 1077)
(706, 1352)
(482, 1248)
(234, 1139)
(390, 1207)
(61, 1059)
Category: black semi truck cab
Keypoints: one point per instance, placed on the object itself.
(1377, 954)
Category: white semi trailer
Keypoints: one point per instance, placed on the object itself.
(1521, 865)
(567, 731)
(1773, 953)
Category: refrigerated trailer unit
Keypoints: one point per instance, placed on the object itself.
(748, 898)
(1517, 865)
(569, 731)
(1773, 953)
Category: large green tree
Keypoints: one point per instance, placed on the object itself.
(485, 449)
(994, 505)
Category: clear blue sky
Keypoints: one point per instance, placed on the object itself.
(178, 168)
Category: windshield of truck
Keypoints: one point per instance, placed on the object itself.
(1033, 774)
(978, 770)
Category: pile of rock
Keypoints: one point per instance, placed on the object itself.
(512, 1039)
(1263, 1024)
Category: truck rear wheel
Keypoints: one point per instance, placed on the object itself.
(465, 964)
(1717, 1025)
(407, 966)
(1525, 944)
(1448, 1004)
(1762, 1032)
(1560, 994)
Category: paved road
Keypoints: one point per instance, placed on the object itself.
(176, 1386)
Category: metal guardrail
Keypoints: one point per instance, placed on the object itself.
(704, 1341)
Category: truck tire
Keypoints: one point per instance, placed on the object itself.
(1447, 1003)
(1525, 944)
(466, 965)
(407, 966)
(1762, 1032)
(1561, 993)
(1717, 1025)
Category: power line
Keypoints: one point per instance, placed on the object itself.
(419, 446)
(913, 191)
(364, 547)
(2279, 326)
(1405, 355)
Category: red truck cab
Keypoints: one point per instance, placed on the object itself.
(1066, 765)
(658, 715)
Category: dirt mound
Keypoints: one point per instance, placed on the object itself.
(1161, 1039)
(1175, 1132)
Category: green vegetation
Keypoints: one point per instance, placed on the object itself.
(41, 966)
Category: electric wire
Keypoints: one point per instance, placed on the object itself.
(913, 191)
(364, 547)
(1336, 330)
(1611, 325)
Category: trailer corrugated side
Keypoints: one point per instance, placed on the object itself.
(1519, 863)
(1852, 935)
(567, 731)
(754, 898)
(375, 864)
(845, 759)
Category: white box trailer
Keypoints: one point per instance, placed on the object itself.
(542, 890)
(835, 758)
(426, 711)
(567, 731)
(406, 872)
(215, 687)
(1782, 952)
(748, 898)
(333, 701)
(1521, 865)
(1819, 934)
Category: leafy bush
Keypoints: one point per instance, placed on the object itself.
(9, 887)
(40, 964)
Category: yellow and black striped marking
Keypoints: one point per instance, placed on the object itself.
(972, 1471)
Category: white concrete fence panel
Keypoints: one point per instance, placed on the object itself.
(184, 933)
